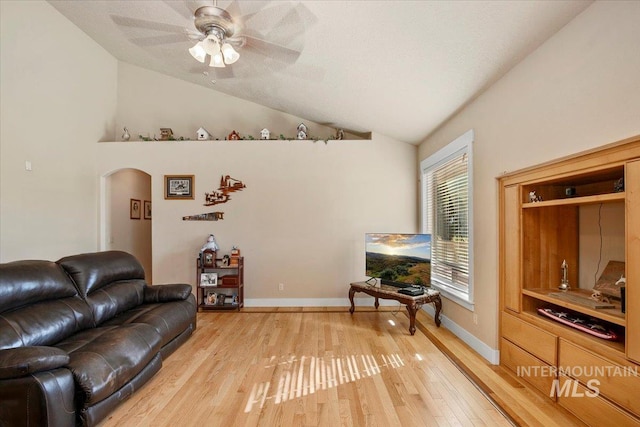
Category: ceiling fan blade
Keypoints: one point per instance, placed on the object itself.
(244, 10)
(308, 18)
(223, 73)
(265, 18)
(272, 50)
(287, 29)
(158, 40)
(181, 8)
(149, 25)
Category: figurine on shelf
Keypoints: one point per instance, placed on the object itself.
(208, 252)
(203, 135)
(564, 283)
(166, 134)
(265, 134)
(126, 136)
(234, 136)
(533, 197)
(599, 297)
(302, 131)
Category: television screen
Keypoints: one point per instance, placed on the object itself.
(399, 259)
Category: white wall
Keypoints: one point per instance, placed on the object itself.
(122, 232)
(148, 101)
(58, 98)
(579, 90)
(302, 218)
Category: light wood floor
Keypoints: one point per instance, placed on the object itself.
(325, 367)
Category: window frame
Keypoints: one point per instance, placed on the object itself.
(460, 146)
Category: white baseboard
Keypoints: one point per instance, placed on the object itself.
(490, 354)
(314, 302)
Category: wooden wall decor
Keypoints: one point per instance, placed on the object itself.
(228, 185)
(211, 216)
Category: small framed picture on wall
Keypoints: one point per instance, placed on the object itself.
(135, 209)
(178, 187)
(147, 209)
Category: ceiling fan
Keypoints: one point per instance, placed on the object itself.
(267, 35)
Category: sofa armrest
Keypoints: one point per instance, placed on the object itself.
(164, 293)
(40, 399)
(20, 361)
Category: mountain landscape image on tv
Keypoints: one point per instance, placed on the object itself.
(399, 259)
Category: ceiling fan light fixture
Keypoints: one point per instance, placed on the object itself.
(198, 52)
(229, 53)
(217, 61)
(211, 45)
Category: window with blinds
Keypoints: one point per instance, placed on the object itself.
(446, 204)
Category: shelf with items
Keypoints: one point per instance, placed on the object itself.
(591, 186)
(582, 200)
(220, 287)
(548, 244)
(577, 300)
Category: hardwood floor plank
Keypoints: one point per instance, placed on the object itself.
(321, 367)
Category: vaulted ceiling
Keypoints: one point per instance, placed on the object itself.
(399, 68)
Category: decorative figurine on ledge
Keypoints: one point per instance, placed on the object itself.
(166, 134)
(126, 135)
(302, 131)
(203, 135)
(265, 134)
(234, 136)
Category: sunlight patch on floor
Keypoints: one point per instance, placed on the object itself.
(305, 375)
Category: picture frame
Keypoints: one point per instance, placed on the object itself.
(135, 209)
(147, 209)
(210, 298)
(178, 187)
(208, 280)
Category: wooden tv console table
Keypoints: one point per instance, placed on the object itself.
(413, 304)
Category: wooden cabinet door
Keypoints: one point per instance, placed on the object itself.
(510, 237)
(632, 215)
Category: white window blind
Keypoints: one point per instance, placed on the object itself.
(447, 215)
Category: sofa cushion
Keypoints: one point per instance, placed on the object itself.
(104, 359)
(169, 319)
(92, 271)
(39, 305)
(112, 282)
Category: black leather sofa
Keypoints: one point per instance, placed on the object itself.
(80, 335)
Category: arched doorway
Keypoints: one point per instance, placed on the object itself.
(127, 214)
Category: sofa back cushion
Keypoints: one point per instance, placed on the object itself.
(39, 305)
(111, 282)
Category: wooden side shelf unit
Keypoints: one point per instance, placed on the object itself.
(535, 238)
(228, 292)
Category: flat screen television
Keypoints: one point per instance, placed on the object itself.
(399, 259)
